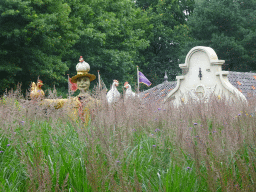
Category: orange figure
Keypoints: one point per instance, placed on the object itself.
(36, 90)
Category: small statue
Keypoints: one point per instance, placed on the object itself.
(113, 94)
(36, 90)
(128, 93)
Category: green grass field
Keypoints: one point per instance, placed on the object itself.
(128, 147)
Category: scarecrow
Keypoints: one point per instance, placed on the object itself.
(83, 105)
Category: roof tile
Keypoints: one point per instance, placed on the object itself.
(147, 94)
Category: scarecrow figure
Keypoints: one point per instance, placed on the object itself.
(82, 105)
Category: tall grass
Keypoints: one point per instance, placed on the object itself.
(128, 146)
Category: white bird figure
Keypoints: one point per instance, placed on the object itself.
(113, 94)
(128, 93)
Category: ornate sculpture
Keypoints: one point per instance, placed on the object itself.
(200, 73)
(36, 90)
(113, 94)
(128, 93)
(83, 105)
(83, 78)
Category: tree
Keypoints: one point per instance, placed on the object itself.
(34, 35)
(228, 27)
(111, 35)
(166, 37)
(46, 38)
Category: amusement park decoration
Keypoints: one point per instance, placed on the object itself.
(128, 93)
(36, 90)
(113, 94)
(82, 105)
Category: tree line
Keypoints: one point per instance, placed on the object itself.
(45, 38)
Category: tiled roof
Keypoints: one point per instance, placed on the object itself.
(245, 82)
(158, 92)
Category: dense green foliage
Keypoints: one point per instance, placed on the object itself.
(166, 38)
(229, 28)
(112, 33)
(46, 37)
(34, 36)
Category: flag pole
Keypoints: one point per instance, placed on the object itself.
(68, 87)
(99, 78)
(138, 80)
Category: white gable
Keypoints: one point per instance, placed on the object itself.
(202, 75)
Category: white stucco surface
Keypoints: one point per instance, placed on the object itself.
(212, 80)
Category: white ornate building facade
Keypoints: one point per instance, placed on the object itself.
(201, 76)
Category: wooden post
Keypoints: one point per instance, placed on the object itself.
(69, 88)
(99, 78)
(138, 80)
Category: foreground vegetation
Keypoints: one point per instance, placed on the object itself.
(128, 147)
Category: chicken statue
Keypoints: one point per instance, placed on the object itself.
(36, 90)
(128, 93)
(113, 94)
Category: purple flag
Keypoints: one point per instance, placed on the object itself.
(143, 79)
